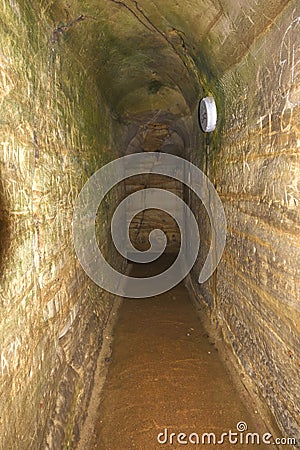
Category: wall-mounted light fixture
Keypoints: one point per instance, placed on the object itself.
(208, 114)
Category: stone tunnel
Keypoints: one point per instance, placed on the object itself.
(84, 83)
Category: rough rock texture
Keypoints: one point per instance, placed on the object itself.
(83, 82)
(54, 134)
(254, 163)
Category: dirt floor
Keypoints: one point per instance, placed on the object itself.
(165, 376)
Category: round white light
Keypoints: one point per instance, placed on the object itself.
(208, 114)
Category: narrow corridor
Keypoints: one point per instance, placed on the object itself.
(182, 117)
(165, 373)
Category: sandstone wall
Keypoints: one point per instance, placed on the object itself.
(253, 160)
(54, 135)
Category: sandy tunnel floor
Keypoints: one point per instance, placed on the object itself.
(165, 372)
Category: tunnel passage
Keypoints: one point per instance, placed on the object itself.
(83, 83)
(164, 377)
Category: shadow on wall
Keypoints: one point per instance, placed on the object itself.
(5, 230)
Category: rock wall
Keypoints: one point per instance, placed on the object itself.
(253, 161)
(54, 134)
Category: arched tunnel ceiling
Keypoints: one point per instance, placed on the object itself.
(156, 57)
